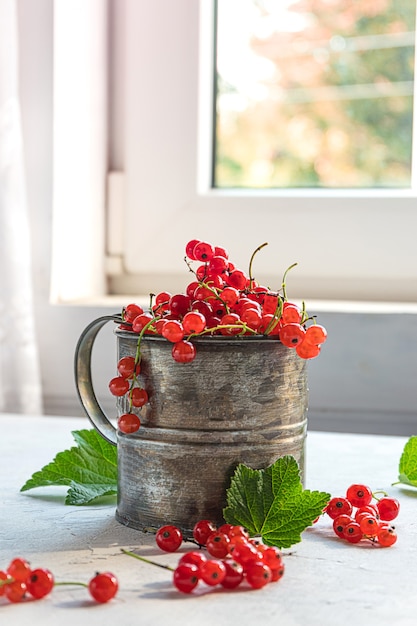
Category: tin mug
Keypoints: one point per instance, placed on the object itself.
(242, 400)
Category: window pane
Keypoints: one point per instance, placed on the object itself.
(314, 93)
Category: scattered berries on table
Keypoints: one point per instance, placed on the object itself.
(355, 517)
(19, 582)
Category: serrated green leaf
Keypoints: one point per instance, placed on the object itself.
(272, 502)
(89, 470)
(408, 463)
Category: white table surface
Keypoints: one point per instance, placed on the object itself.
(326, 581)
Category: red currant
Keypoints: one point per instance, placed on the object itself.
(307, 350)
(291, 334)
(128, 423)
(196, 557)
(141, 321)
(173, 331)
(352, 532)
(233, 576)
(168, 538)
(217, 545)
(258, 574)
(369, 525)
(212, 572)
(338, 506)
(315, 334)
(119, 386)
(186, 577)
(183, 351)
(103, 587)
(386, 535)
(40, 583)
(202, 530)
(131, 311)
(189, 248)
(203, 251)
(359, 495)
(193, 322)
(19, 569)
(139, 397)
(3, 576)
(388, 508)
(15, 591)
(127, 367)
(340, 523)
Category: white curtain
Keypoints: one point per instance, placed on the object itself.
(20, 388)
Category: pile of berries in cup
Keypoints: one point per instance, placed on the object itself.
(221, 300)
(227, 556)
(19, 582)
(360, 515)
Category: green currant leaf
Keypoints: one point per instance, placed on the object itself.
(408, 463)
(272, 503)
(89, 470)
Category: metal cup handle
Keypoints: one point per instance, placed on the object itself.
(83, 379)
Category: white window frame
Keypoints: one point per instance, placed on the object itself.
(349, 244)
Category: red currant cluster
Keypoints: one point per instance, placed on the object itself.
(221, 300)
(19, 582)
(233, 557)
(356, 517)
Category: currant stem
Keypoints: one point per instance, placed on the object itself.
(284, 278)
(145, 560)
(251, 262)
(71, 582)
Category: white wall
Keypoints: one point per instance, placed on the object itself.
(365, 378)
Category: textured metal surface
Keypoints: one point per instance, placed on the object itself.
(242, 400)
(239, 401)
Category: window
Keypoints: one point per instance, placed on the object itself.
(349, 243)
(314, 94)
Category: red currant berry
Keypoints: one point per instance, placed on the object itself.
(277, 573)
(217, 545)
(369, 509)
(103, 587)
(40, 583)
(233, 576)
(245, 553)
(202, 530)
(218, 264)
(162, 301)
(352, 532)
(196, 557)
(338, 506)
(271, 556)
(359, 495)
(212, 572)
(290, 313)
(173, 331)
(180, 304)
(186, 577)
(127, 367)
(141, 321)
(388, 508)
(19, 569)
(203, 251)
(340, 523)
(168, 538)
(386, 535)
(139, 397)
(237, 279)
(15, 591)
(189, 248)
(315, 334)
(128, 423)
(270, 303)
(193, 322)
(258, 574)
(220, 251)
(183, 352)
(131, 311)
(369, 525)
(231, 320)
(291, 335)
(307, 350)
(252, 318)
